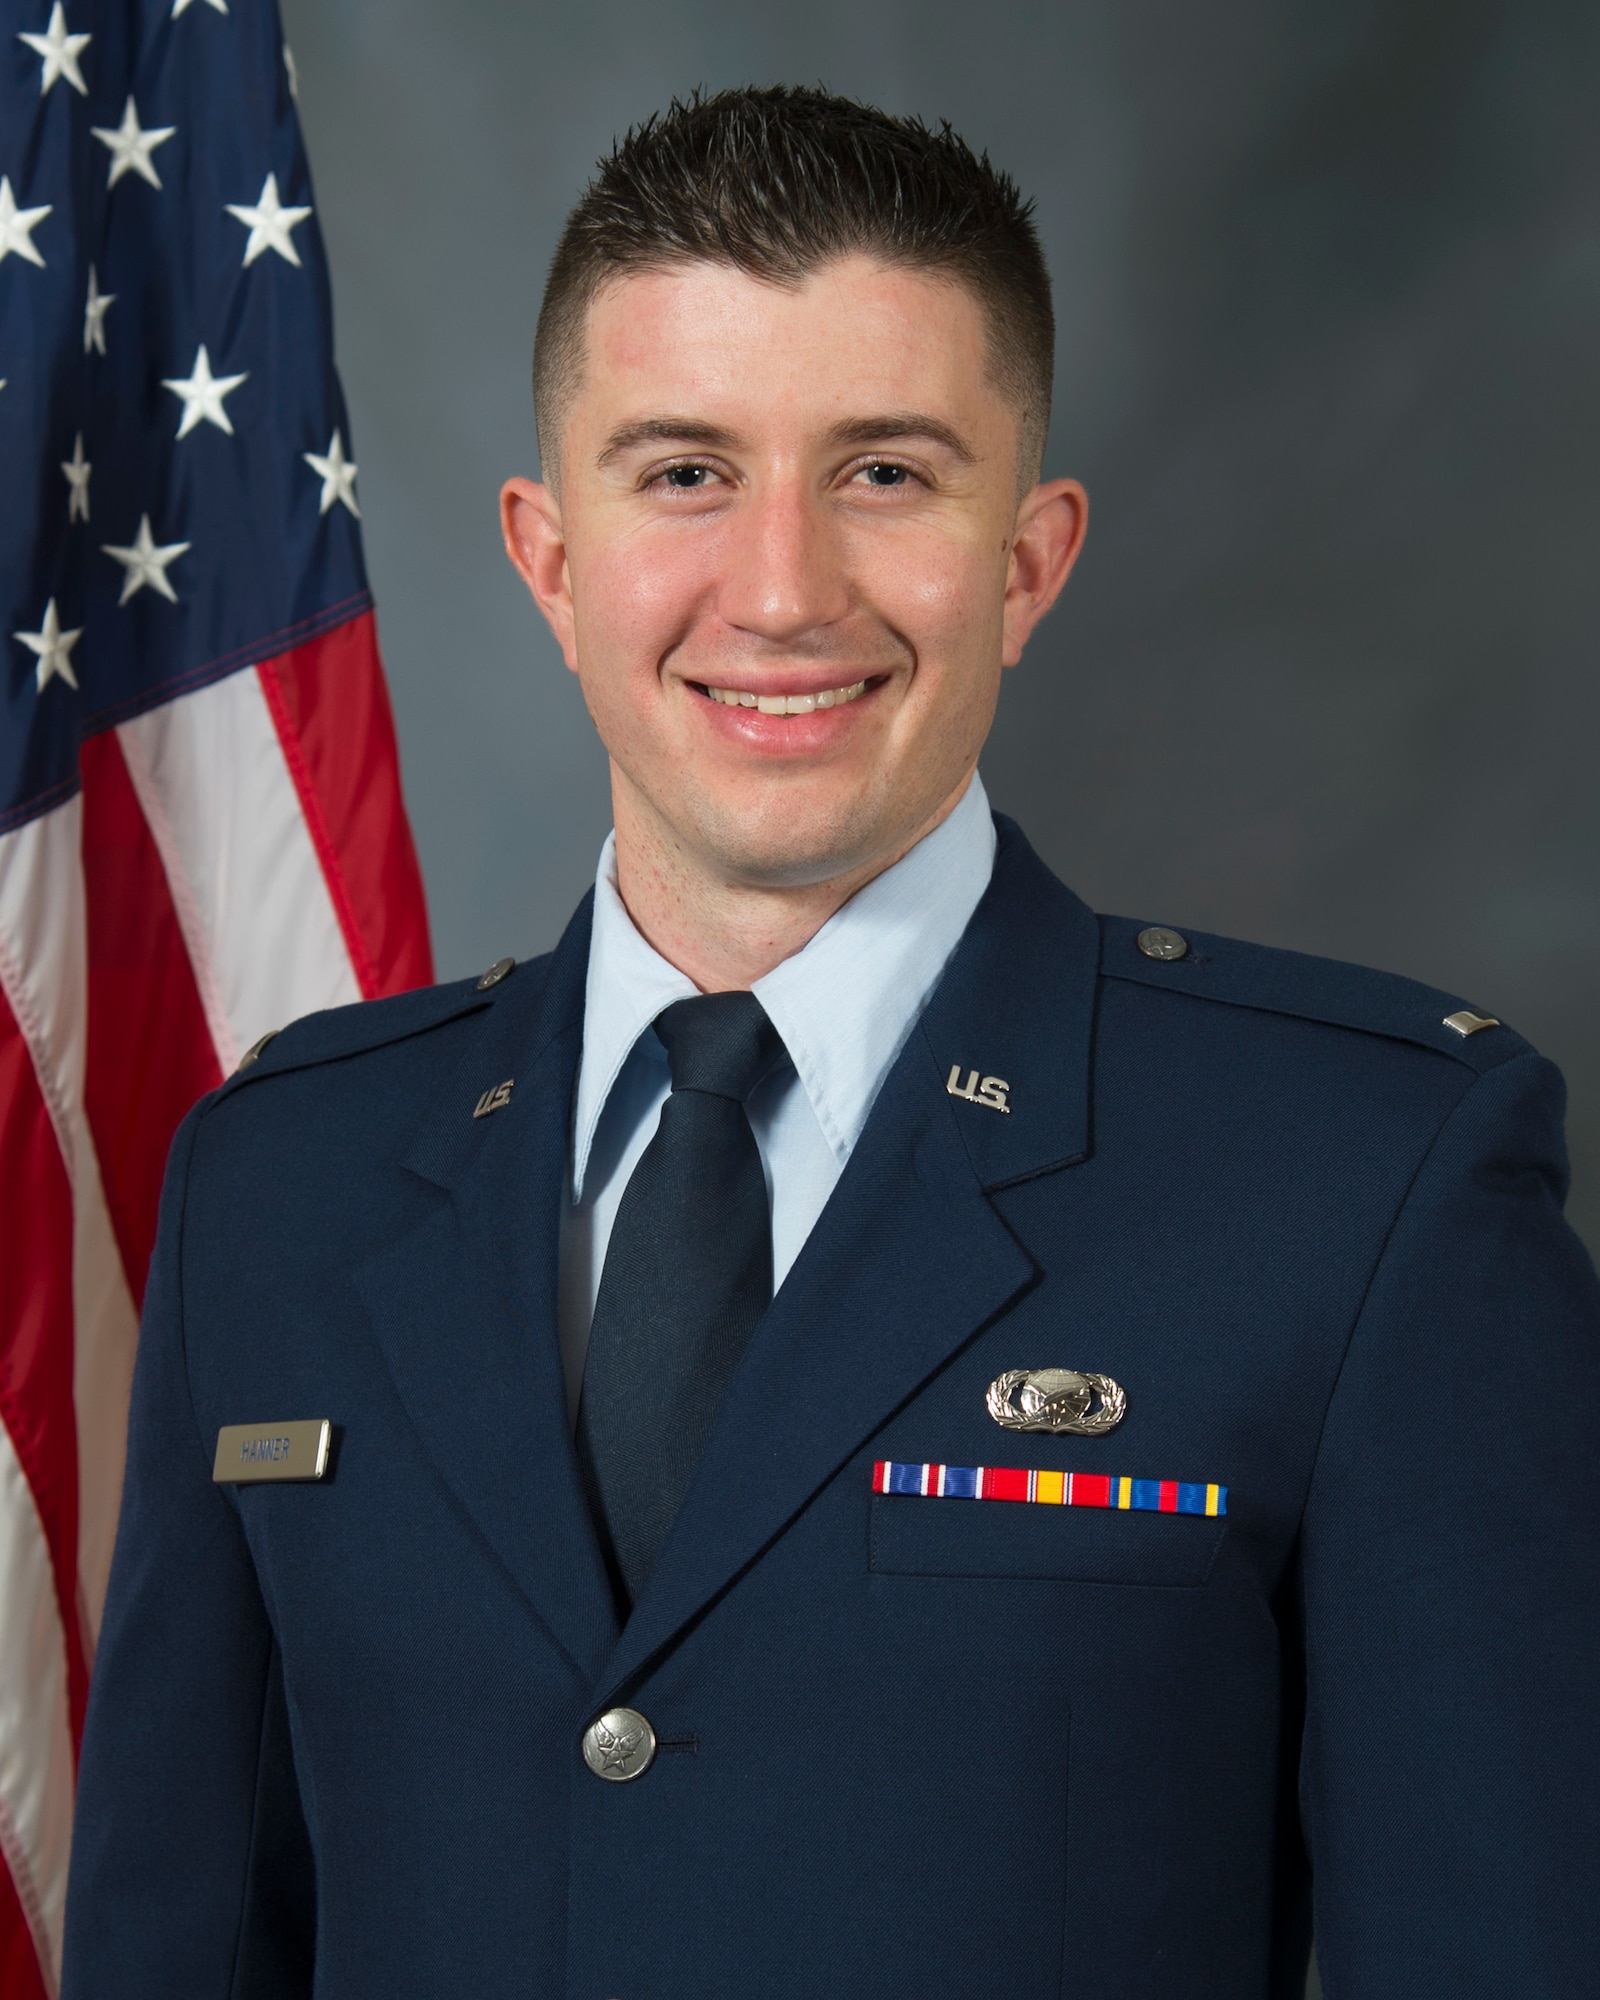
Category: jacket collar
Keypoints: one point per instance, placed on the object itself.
(1018, 1005)
(464, 1304)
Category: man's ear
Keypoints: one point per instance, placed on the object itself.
(1051, 524)
(530, 521)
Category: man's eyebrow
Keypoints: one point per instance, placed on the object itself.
(692, 431)
(906, 424)
(697, 433)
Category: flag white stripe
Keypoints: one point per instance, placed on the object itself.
(44, 955)
(248, 888)
(35, 1729)
(44, 971)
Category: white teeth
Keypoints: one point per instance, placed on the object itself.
(789, 704)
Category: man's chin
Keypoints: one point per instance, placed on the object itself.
(805, 844)
(786, 834)
(792, 849)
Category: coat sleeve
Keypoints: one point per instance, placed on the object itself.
(190, 1868)
(1450, 1565)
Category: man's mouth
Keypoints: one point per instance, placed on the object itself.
(788, 704)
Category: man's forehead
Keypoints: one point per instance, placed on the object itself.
(852, 328)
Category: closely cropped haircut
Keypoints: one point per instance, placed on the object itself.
(779, 182)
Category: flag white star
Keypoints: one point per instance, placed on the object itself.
(269, 223)
(337, 474)
(183, 6)
(60, 51)
(94, 315)
(77, 468)
(146, 564)
(131, 148)
(202, 395)
(291, 72)
(53, 648)
(17, 226)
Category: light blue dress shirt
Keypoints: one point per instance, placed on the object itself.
(844, 1006)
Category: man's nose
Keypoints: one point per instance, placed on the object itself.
(785, 571)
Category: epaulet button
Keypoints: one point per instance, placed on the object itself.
(1158, 942)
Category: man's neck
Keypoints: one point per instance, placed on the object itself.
(726, 934)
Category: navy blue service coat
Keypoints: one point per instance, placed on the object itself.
(907, 1744)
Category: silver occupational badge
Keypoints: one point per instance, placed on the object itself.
(1063, 1400)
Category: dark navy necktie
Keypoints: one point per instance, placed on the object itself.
(688, 1272)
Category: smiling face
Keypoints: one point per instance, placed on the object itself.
(787, 562)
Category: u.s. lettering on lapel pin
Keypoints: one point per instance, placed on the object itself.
(1067, 1402)
(495, 1099)
(992, 1091)
(250, 1453)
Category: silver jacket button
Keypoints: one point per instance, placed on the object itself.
(619, 1745)
(495, 974)
(1159, 943)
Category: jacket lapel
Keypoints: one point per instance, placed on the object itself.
(910, 1260)
(464, 1305)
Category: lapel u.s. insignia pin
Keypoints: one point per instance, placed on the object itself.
(1067, 1401)
(992, 1091)
(494, 1100)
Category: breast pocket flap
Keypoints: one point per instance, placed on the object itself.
(947, 1521)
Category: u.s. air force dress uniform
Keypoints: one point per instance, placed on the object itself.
(1159, 1509)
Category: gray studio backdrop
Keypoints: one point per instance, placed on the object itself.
(1328, 280)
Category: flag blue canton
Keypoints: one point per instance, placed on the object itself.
(178, 484)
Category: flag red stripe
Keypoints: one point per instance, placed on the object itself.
(331, 709)
(149, 1050)
(36, 1341)
(20, 1978)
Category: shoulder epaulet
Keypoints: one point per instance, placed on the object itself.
(1314, 989)
(368, 1024)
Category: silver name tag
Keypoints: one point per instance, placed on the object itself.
(248, 1452)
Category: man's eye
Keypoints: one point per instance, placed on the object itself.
(688, 477)
(886, 475)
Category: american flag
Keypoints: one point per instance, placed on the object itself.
(201, 827)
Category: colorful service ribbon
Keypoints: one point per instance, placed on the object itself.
(1048, 1488)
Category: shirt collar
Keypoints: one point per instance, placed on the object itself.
(629, 984)
(844, 1004)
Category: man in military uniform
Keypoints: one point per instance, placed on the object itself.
(858, 1427)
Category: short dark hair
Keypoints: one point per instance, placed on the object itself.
(779, 182)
